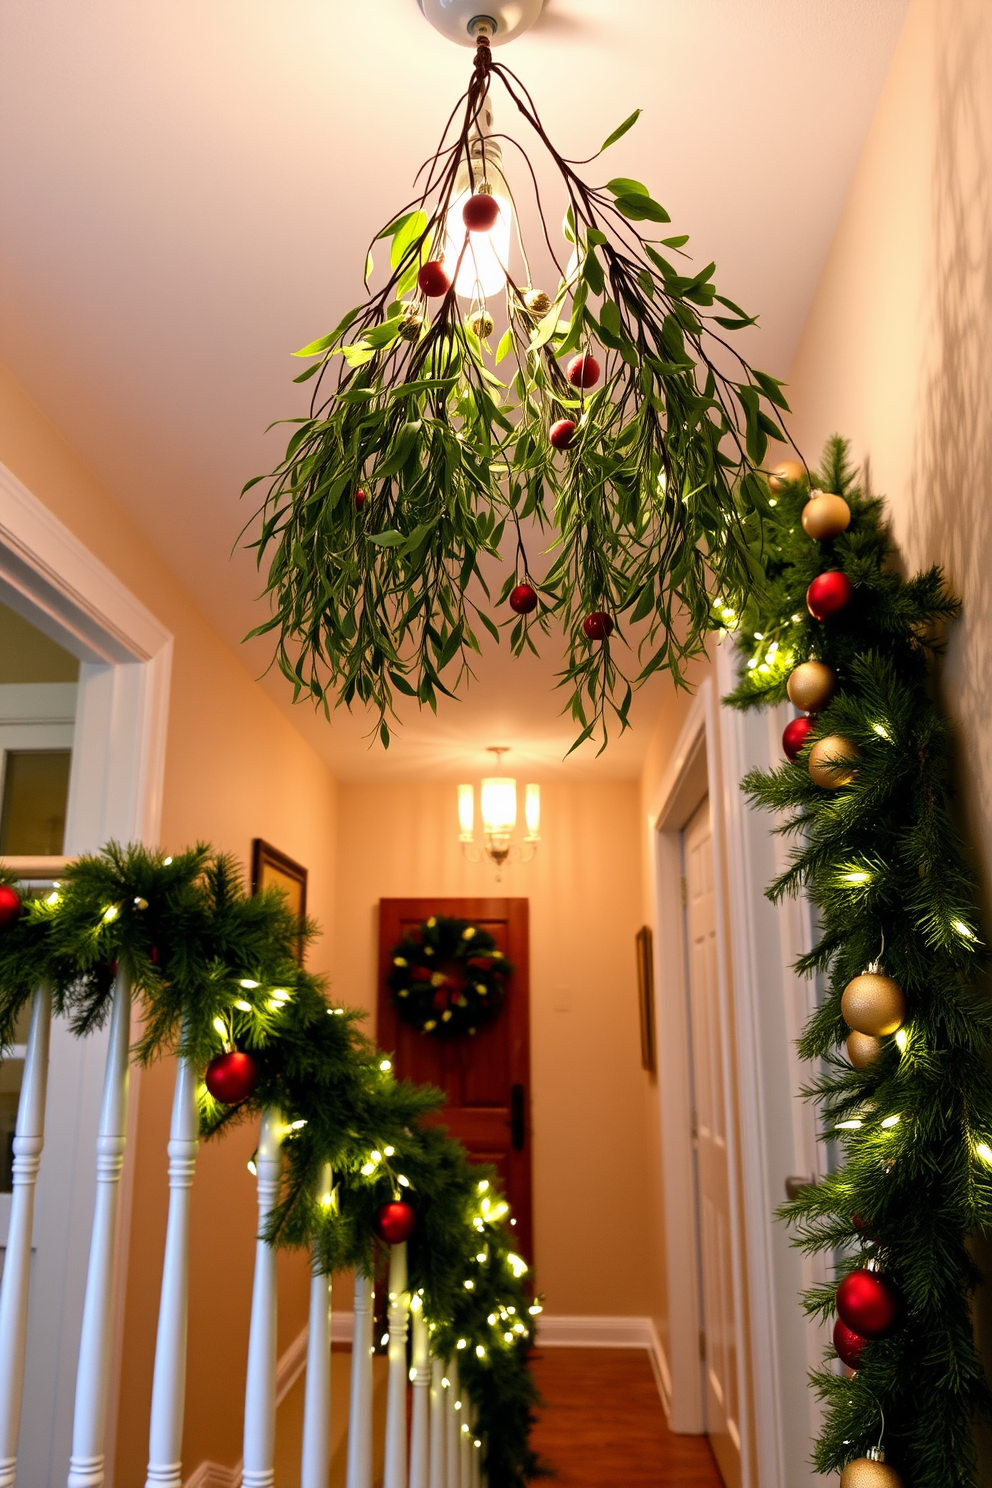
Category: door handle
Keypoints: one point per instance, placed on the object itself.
(795, 1184)
(518, 1116)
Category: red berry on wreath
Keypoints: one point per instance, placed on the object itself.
(433, 280)
(480, 212)
(10, 906)
(828, 594)
(523, 599)
(597, 626)
(583, 371)
(562, 433)
(360, 499)
(848, 1345)
(796, 733)
(395, 1222)
(231, 1077)
(869, 1303)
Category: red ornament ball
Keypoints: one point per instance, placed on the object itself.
(597, 626)
(10, 906)
(848, 1345)
(828, 594)
(395, 1222)
(796, 733)
(869, 1304)
(481, 212)
(562, 433)
(583, 371)
(433, 280)
(360, 500)
(231, 1077)
(523, 599)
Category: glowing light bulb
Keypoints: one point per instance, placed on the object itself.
(482, 258)
(466, 813)
(532, 812)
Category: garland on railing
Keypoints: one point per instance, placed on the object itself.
(867, 797)
(215, 971)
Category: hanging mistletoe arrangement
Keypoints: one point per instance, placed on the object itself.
(448, 977)
(216, 976)
(462, 406)
(903, 1039)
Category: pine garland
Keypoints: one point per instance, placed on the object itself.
(881, 856)
(212, 967)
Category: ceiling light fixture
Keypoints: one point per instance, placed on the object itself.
(498, 809)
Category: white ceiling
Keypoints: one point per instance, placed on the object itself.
(187, 188)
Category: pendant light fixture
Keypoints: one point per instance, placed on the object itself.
(498, 811)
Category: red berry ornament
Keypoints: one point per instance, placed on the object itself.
(562, 433)
(597, 626)
(481, 212)
(828, 594)
(796, 733)
(10, 906)
(395, 1222)
(231, 1078)
(523, 599)
(360, 500)
(848, 1345)
(869, 1304)
(433, 281)
(583, 371)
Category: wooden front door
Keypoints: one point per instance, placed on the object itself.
(486, 1077)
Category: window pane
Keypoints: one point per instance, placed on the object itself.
(35, 790)
(11, 1074)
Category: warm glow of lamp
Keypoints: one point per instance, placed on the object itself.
(466, 813)
(499, 805)
(532, 813)
(498, 812)
(484, 256)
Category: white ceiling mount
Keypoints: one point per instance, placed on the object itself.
(457, 19)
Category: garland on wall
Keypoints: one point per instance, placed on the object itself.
(215, 972)
(903, 1037)
(448, 977)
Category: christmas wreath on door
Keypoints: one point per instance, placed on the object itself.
(448, 977)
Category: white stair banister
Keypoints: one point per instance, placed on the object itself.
(419, 1444)
(260, 1388)
(465, 1440)
(315, 1466)
(438, 1475)
(452, 1412)
(165, 1437)
(89, 1423)
(394, 1472)
(359, 1473)
(28, 1138)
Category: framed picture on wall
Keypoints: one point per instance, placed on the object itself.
(270, 869)
(644, 943)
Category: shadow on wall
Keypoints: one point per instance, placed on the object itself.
(950, 511)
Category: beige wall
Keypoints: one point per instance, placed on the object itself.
(591, 1099)
(235, 769)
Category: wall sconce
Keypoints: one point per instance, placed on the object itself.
(498, 809)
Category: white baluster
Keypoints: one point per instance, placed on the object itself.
(419, 1446)
(453, 1454)
(466, 1448)
(439, 1390)
(316, 1464)
(394, 1471)
(28, 1138)
(165, 1438)
(360, 1415)
(260, 1388)
(89, 1422)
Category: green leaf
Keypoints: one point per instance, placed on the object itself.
(316, 347)
(388, 539)
(625, 186)
(609, 317)
(410, 231)
(505, 345)
(619, 133)
(676, 242)
(592, 272)
(641, 208)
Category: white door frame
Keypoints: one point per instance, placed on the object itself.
(48, 576)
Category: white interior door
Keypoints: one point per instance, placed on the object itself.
(719, 1342)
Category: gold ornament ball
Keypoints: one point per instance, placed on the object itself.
(863, 1050)
(786, 473)
(410, 327)
(482, 324)
(873, 1004)
(825, 516)
(537, 302)
(811, 686)
(825, 762)
(864, 1473)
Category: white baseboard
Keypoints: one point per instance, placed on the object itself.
(342, 1327)
(563, 1331)
(212, 1475)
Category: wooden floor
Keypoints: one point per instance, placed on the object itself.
(603, 1424)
